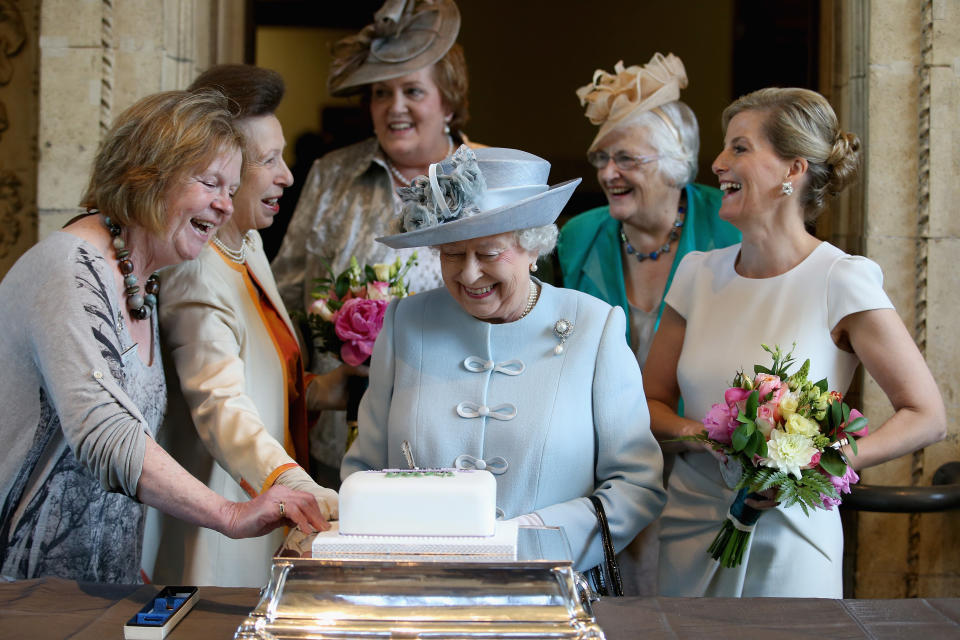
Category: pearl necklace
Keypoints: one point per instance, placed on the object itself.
(532, 298)
(653, 255)
(399, 177)
(238, 256)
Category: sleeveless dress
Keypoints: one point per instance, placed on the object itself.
(727, 318)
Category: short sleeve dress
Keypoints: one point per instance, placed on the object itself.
(728, 317)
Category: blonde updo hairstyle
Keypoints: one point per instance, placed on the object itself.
(800, 123)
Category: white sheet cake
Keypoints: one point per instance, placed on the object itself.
(419, 514)
(419, 502)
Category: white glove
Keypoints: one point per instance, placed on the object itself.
(300, 480)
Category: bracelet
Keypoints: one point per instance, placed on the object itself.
(838, 445)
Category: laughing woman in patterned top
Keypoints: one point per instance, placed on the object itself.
(82, 386)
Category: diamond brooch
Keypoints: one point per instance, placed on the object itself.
(562, 329)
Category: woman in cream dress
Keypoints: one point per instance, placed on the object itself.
(783, 154)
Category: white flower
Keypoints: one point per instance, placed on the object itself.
(382, 271)
(798, 425)
(789, 452)
(320, 308)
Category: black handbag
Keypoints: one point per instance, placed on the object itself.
(605, 577)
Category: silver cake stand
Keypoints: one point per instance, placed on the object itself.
(538, 595)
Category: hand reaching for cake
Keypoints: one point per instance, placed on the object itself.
(300, 480)
(276, 507)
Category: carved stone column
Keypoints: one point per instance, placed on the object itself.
(18, 128)
(97, 58)
(897, 83)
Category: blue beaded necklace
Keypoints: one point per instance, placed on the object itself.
(653, 255)
(140, 305)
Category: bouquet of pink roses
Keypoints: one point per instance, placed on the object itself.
(786, 432)
(348, 312)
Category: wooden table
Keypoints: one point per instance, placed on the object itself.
(52, 608)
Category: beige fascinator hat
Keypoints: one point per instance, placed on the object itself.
(406, 36)
(478, 193)
(611, 98)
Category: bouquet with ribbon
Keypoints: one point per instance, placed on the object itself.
(347, 314)
(786, 433)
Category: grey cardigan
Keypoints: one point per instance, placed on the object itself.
(78, 405)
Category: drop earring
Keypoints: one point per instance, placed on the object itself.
(446, 128)
(787, 188)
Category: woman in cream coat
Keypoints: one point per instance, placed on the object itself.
(240, 422)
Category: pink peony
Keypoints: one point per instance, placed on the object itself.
(358, 322)
(720, 422)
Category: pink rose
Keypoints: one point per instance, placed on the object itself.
(815, 460)
(734, 395)
(767, 418)
(720, 423)
(378, 290)
(358, 322)
(768, 384)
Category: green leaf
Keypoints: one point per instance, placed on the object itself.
(761, 369)
(846, 411)
(822, 385)
(342, 285)
(832, 462)
(856, 425)
(762, 447)
(836, 415)
(752, 404)
(853, 445)
(741, 435)
(369, 274)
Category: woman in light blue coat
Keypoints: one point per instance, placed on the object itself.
(504, 372)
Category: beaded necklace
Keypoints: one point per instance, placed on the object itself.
(141, 306)
(653, 255)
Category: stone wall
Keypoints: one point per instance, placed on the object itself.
(97, 57)
(900, 78)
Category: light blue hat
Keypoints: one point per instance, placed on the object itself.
(477, 194)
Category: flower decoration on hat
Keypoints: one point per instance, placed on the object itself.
(449, 193)
(611, 97)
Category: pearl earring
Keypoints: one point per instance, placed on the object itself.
(533, 267)
(446, 128)
(787, 188)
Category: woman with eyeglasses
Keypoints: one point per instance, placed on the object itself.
(626, 253)
(645, 154)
